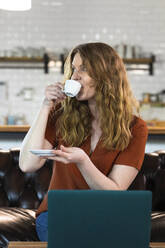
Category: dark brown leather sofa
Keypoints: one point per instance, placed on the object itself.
(21, 194)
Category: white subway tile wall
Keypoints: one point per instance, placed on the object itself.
(61, 24)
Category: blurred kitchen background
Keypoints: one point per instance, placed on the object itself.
(34, 44)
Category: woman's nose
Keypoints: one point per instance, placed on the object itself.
(76, 75)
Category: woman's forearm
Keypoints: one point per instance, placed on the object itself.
(95, 178)
(34, 139)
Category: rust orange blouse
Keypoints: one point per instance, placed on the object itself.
(68, 176)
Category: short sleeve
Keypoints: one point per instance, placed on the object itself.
(133, 155)
(50, 132)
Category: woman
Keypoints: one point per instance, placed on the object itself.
(99, 137)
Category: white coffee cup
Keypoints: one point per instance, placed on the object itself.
(71, 88)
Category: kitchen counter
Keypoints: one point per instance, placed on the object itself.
(156, 130)
(14, 128)
(154, 127)
(13, 135)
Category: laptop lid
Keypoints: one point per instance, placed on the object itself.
(99, 219)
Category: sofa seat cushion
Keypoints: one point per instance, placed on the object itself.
(158, 227)
(17, 224)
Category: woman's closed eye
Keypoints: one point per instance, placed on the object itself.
(81, 69)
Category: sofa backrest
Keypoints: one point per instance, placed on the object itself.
(26, 190)
(18, 189)
(152, 177)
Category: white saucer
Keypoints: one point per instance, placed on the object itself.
(43, 153)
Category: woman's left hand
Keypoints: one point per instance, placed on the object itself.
(68, 155)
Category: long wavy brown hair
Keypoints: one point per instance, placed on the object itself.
(114, 99)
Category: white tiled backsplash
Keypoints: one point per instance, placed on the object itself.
(61, 24)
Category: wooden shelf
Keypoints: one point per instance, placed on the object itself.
(25, 63)
(40, 63)
(22, 59)
(141, 61)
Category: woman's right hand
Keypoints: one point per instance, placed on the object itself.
(54, 93)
